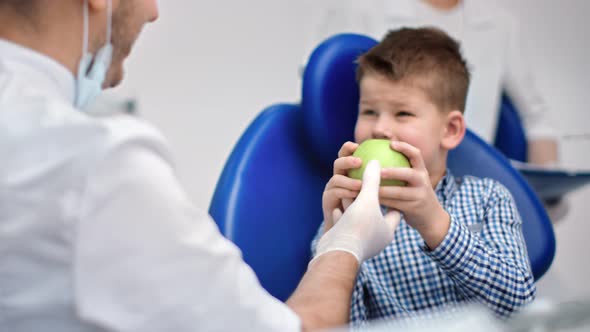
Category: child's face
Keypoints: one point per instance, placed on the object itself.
(403, 112)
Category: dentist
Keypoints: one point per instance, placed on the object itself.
(96, 233)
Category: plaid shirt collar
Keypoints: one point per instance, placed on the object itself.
(445, 187)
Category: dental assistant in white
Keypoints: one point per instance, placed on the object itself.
(96, 233)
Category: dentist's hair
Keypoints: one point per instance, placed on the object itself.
(22, 7)
(426, 57)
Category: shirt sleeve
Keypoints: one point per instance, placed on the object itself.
(491, 268)
(519, 84)
(148, 260)
(358, 307)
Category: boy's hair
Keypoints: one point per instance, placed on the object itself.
(426, 56)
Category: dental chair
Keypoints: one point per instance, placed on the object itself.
(510, 136)
(268, 198)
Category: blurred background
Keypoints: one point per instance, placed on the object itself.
(205, 69)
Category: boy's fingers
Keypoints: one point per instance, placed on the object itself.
(397, 193)
(343, 164)
(342, 193)
(346, 202)
(347, 149)
(405, 174)
(336, 214)
(342, 181)
(412, 153)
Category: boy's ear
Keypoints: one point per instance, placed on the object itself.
(454, 130)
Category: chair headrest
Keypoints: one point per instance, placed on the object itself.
(330, 93)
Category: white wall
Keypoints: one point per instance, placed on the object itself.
(206, 68)
(559, 50)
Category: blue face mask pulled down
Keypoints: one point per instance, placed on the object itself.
(92, 70)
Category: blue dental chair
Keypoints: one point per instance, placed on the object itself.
(510, 136)
(268, 198)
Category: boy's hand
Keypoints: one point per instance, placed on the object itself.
(417, 200)
(341, 190)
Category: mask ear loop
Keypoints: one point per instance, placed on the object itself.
(85, 36)
(92, 69)
(85, 53)
(109, 21)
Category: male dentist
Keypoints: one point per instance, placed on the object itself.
(96, 233)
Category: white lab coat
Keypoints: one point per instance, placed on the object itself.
(489, 38)
(96, 233)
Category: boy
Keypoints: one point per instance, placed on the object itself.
(460, 239)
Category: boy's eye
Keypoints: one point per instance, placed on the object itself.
(368, 112)
(403, 113)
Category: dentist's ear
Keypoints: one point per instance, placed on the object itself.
(101, 5)
(454, 130)
(96, 5)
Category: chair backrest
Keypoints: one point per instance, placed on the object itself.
(510, 135)
(475, 157)
(268, 198)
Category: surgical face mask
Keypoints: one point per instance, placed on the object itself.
(92, 69)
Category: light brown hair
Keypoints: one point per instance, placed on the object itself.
(425, 56)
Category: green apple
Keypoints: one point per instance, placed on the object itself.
(380, 150)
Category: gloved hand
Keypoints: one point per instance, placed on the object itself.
(362, 230)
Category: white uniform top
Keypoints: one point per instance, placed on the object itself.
(96, 233)
(489, 39)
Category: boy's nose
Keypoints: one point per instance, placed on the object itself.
(383, 130)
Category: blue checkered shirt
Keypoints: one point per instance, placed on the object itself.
(482, 259)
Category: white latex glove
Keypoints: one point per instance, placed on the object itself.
(362, 230)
